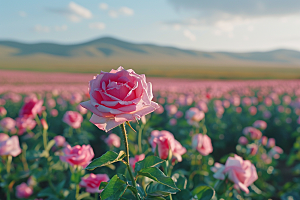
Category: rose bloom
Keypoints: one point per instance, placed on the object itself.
(24, 124)
(264, 140)
(166, 141)
(202, 143)
(254, 133)
(23, 191)
(173, 121)
(119, 96)
(73, 119)
(54, 112)
(194, 116)
(271, 143)
(77, 155)
(60, 141)
(252, 149)
(93, 181)
(260, 124)
(171, 109)
(241, 172)
(136, 159)
(252, 110)
(159, 110)
(243, 140)
(31, 108)
(3, 111)
(8, 123)
(9, 145)
(51, 103)
(113, 140)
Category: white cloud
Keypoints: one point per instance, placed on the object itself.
(80, 11)
(113, 14)
(176, 27)
(103, 6)
(42, 29)
(23, 14)
(126, 11)
(97, 25)
(189, 35)
(61, 28)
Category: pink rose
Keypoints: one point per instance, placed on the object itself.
(253, 149)
(76, 98)
(194, 116)
(24, 191)
(243, 140)
(77, 155)
(60, 141)
(8, 123)
(171, 109)
(202, 106)
(159, 110)
(3, 111)
(73, 119)
(54, 112)
(166, 141)
(173, 121)
(9, 145)
(241, 172)
(136, 159)
(264, 140)
(113, 140)
(31, 108)
(202, 143)
(254, 133)
(51, 103)
(93, 181)
(119, 96)
(252, 110)
(260, 124)
(24, 124)
(271, 143)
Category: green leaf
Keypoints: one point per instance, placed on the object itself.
(150, 161)
(154, 198)
(157, 189)
(114, 189)
(183, 194)
(180, 181)
(50, 144)
(103, 185)
(158, 176)
(46, 192)
(106, 159)
(204, 192)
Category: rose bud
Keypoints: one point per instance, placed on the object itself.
(113, 140)
(136, 159)
(23, 191)
(31, 108)
(60, 141)
(54, 112)
(73, 119)
(271, 143)
(264, 140)
(44, 124)
(243, 140)
(3, 111)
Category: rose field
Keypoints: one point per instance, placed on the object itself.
(123, 135)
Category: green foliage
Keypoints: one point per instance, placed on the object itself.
(106, 159)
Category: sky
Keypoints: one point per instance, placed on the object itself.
(214, 25)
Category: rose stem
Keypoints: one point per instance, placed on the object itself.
(9, 159)
(127, 154)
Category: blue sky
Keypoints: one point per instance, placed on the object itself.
(215, 25)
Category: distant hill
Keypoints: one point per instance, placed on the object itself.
(106, 53)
